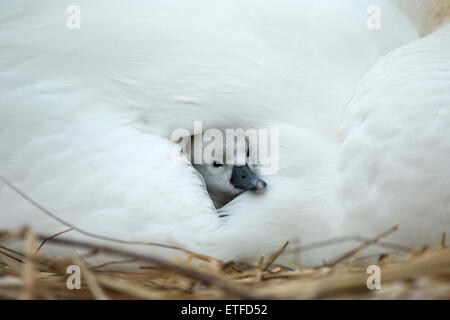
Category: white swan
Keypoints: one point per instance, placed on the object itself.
(86, 117)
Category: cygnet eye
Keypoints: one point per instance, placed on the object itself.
(216, 164)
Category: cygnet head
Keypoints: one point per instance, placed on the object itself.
(229, 180)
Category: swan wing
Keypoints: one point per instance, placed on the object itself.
(395, 151)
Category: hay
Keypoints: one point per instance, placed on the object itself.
(418, 274)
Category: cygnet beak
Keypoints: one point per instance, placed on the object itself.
(243, 178)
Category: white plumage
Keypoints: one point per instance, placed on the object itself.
(86, 116)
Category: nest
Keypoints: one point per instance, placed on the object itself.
(418, 274)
